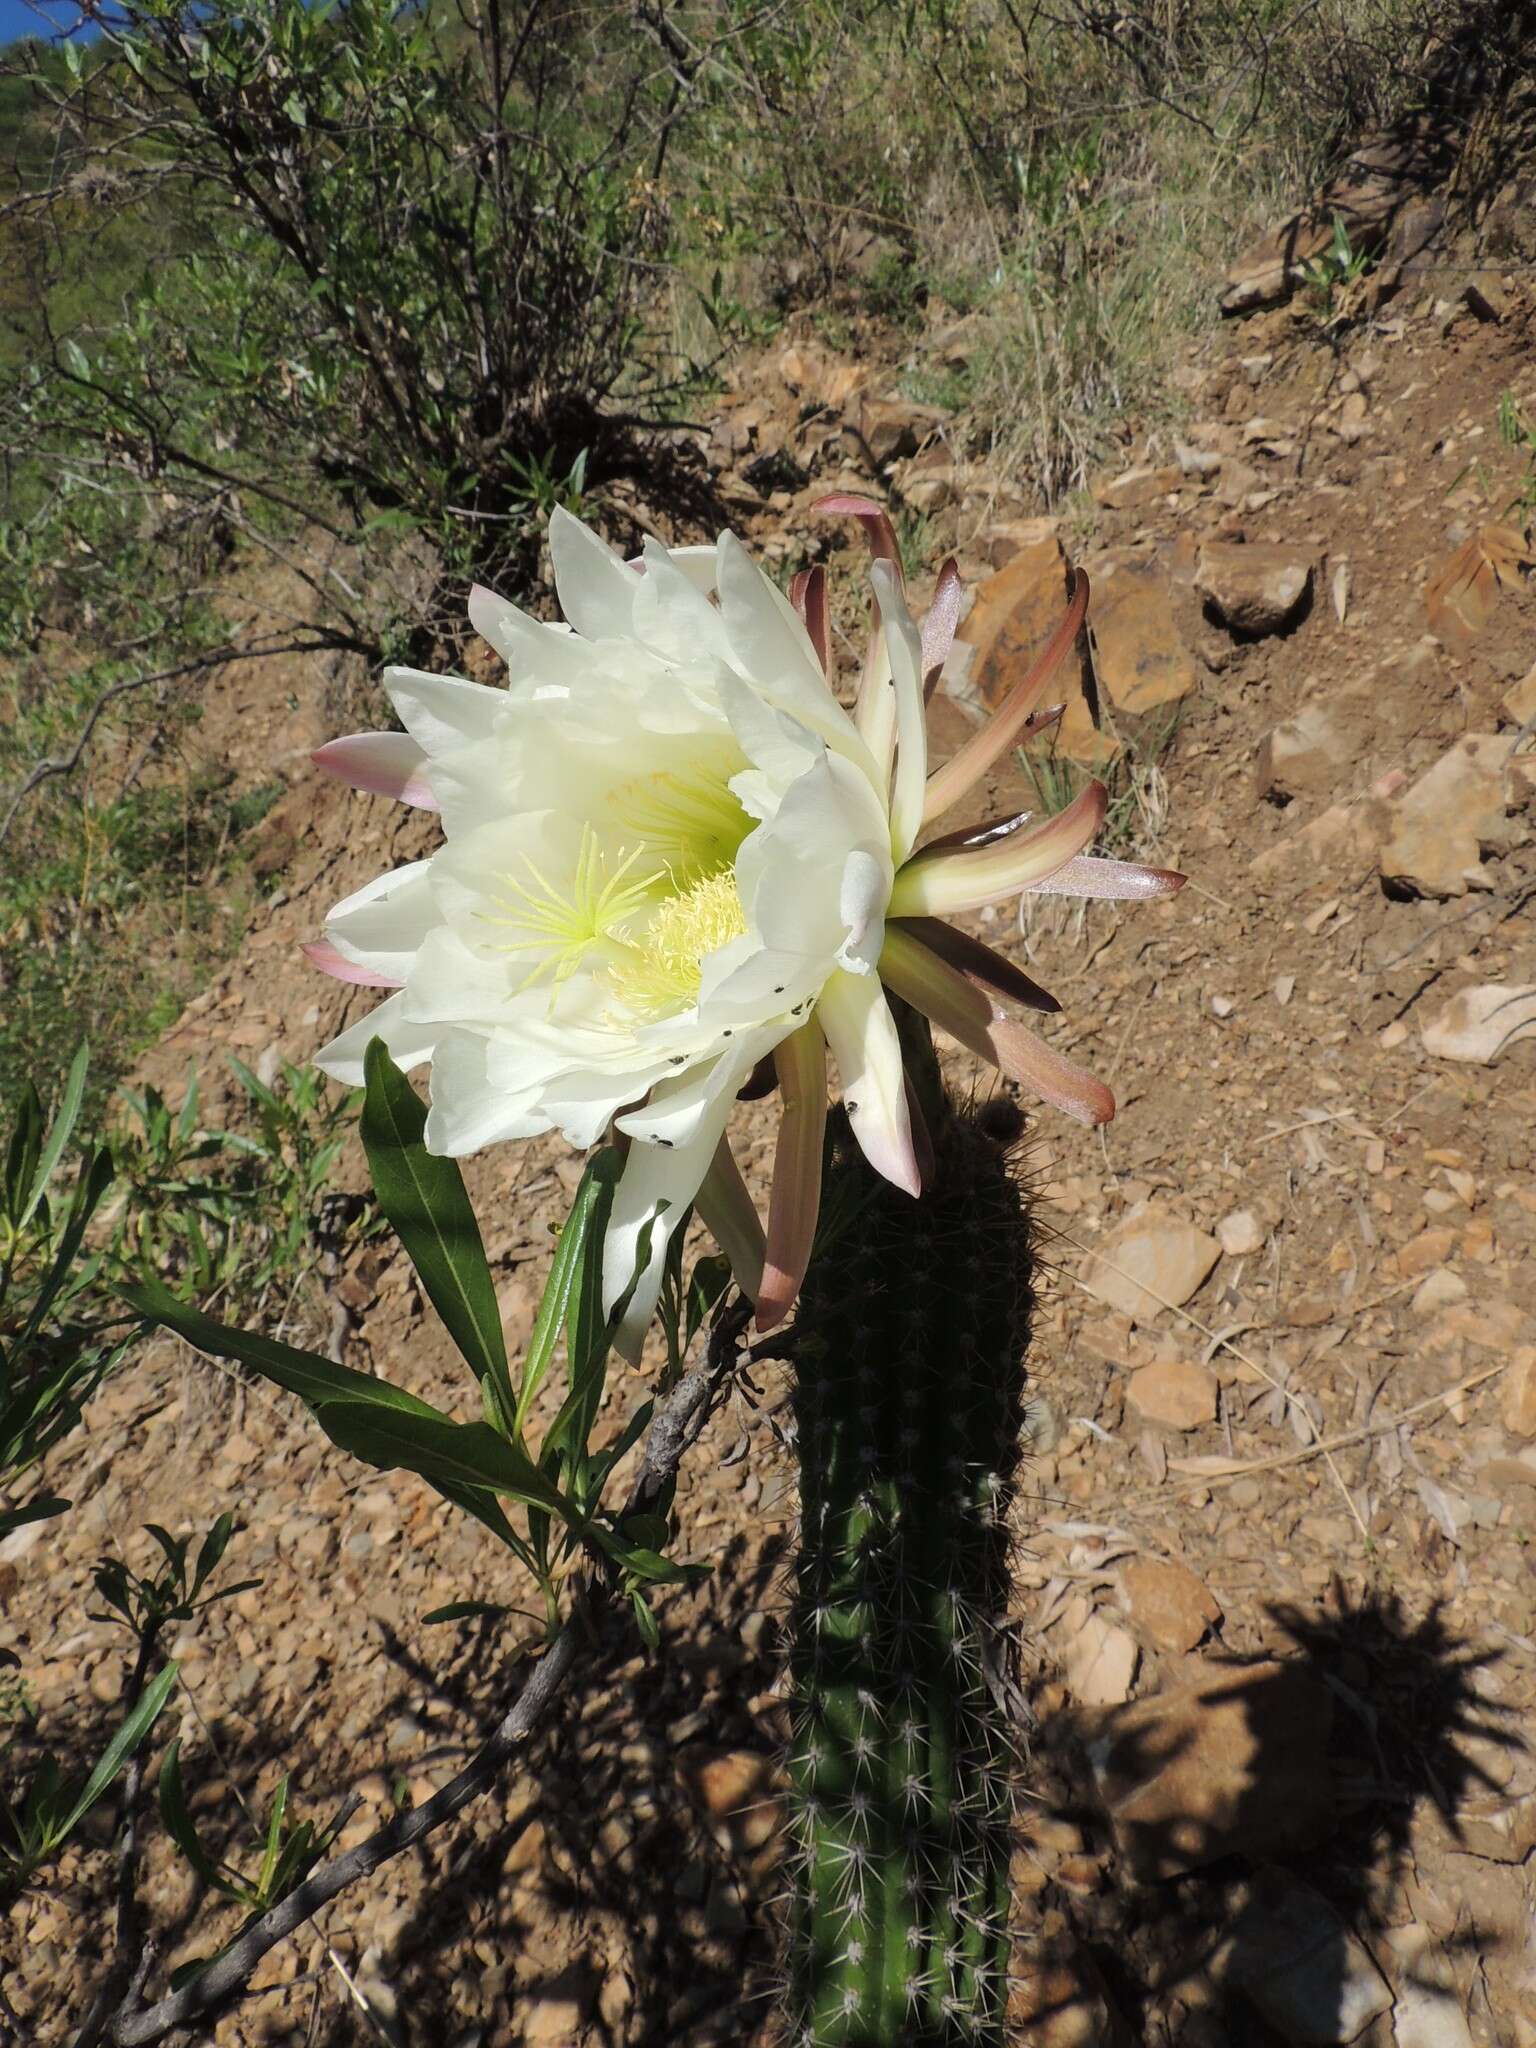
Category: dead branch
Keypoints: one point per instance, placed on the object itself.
(674, 1426)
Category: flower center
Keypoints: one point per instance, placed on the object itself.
(687, 817)
(563, 926)
(662, 965)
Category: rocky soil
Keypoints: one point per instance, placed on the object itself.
(1275, 1607)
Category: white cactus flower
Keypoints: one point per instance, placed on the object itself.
(668, 852)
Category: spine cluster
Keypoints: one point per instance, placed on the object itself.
(912, 1334)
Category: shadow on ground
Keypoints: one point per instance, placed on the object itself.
(1258, 1884)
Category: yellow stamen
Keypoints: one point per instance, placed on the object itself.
(661, 971)
(688, 816)
(564, 928)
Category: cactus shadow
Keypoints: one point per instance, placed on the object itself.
(1243, 1859)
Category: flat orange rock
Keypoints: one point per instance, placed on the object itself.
(1014, 614)
(1139, 658)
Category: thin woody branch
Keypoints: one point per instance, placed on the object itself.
(674, 1427)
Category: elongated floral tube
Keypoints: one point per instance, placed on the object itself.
(967, 1013)
(795, 1202)
(730, 1215)
(979, 963)
(874, 519)
(939, 625)
(808, 595)
(1117, 881)
(382, 763)
(966, 878)
(906, 658)
(1006, 725)
(874, 711)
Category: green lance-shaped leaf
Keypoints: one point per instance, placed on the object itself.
(182, 1829)
(64, 1120)
(117, 1752)
(423, 1196)
(572, 1291)
(468, 1462)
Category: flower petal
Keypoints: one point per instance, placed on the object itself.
(468, 1110)
(1110, 880)
(696, 563)
(939, 884)
(384, 925)
(673, 615)
(793, 1207)
(677, 1107)
(383, 763)
(1006, 725)
(535, 651)
(862, 1033)
(791, 870)
(943, 994)
(874, 714)
(442, 713)
(731, 1217)
(906, 657)
(595, 588)
(861, 900)
(979, 963)
(319, 953)
(656, 1186)
(408, 1042)
(773, 649)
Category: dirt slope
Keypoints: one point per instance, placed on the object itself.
(1345, 1483)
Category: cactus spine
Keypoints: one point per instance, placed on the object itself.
(912, 1332)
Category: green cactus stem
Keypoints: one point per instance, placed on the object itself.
(912, 1330)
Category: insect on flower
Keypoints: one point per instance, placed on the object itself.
(669, 852)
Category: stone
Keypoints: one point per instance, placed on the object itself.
(737, 1793)
(1437, 1290)
(1509, 1475)
(554, 2014)
(1012, 618)
(1057, 2002)
(1520, 699)
(1300, 757)
(1254, 588)
(1237, 483)
(1352, 425)
(1099, 1659)
(1151, 1260)
(1236, 1763)
(1496, 1814)
(1169, 1606)
(1137, 487)
(893, 427)
(1296, 1961)
(1478, 1024)
(1429, 2011)
(1421, 1254)
(1139, 657)
(1485, 296)
(1455, 813)
(1463, 591)
(1345, 841)
(1010, 538)
(1517, 1407)
(1241, 1234)
(1173, 1393)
